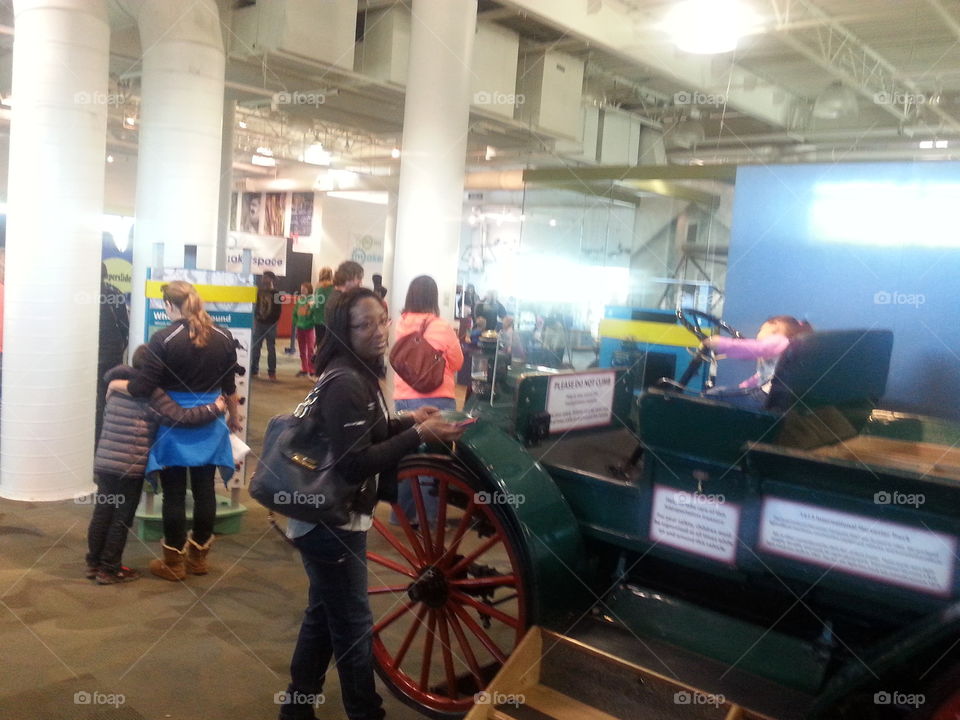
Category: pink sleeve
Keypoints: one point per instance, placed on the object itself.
(750, 349)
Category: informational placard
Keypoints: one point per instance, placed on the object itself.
(229, 299)
(580, 400)
(887, 552)
(266, 253)
(704, 525)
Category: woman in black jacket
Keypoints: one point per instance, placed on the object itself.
(354, 415)
(194, 361)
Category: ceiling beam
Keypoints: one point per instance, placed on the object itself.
(810, 31)
(628, 35)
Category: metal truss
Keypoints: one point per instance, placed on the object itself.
(817, 36)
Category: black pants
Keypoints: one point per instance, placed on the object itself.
(115, 504)
(173, 481)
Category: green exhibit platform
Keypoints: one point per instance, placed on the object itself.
(148, 522)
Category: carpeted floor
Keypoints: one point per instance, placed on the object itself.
(212, 648)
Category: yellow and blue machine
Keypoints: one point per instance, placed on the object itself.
(650, 344)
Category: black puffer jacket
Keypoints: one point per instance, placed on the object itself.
(130, 423)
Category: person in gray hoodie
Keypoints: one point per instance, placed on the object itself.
(129, 425)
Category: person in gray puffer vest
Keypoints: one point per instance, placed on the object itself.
(129, 425)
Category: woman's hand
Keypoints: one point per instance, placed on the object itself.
(118, 386)
(221, 405)
(436, 429)
(422, 413)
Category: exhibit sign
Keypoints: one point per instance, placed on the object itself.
(704, 525)
(229, 299)
(266, 253)
(580, 400)
(888, 552)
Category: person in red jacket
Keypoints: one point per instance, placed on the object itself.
(421, 305)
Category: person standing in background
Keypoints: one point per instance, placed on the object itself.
(378, 287)
(421, 310)
(491, 309)
(303, 327)
(348, 275)
(114, 332)
(265, 319)
(194, 360)
(321, 295)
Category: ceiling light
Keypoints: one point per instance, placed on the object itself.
(263, 161)
(941, 144)
(836, 102)
(242, 125)
(395, 153)
(706, 27)
(315, 154)
(553, 222)
(265, 151)
(491, 152)
(109, 158)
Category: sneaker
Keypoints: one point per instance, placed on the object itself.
(123, 575)
(91, 572)
(273, 377)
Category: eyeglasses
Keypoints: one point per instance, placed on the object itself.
(368, 325)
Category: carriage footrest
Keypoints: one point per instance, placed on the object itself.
(552, 677)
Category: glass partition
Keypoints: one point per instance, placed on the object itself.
(560, 254)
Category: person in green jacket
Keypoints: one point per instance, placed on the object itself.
(303, 320)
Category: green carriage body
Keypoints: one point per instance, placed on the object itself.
(813, 544)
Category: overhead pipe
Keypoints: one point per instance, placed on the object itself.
(181, 116)
(57, 150)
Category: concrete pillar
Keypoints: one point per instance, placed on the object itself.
(226, 210)
(54, 209)
(435, 127)
(181, 118)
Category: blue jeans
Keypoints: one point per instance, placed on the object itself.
(261, 332)
(338, 623)
(404, 492)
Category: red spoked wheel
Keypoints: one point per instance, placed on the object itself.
(448, 590)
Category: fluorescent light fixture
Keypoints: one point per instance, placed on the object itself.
(706, 27)
(926, 144)
(941, 144)
(263, 161)
(265, 151)
(491, 153)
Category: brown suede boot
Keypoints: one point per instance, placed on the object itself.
(172, 566)
(197, 556)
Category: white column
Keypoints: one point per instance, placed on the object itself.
(435, 126)
(226, 210)
(54, 208)
(389, 245)
(181, 116)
